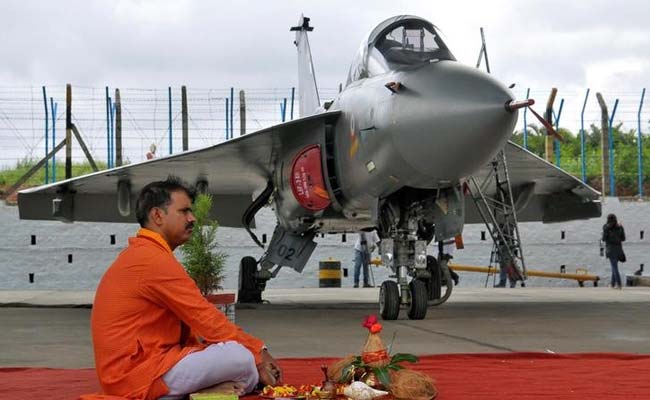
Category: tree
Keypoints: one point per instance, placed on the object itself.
(202, 262)
(625, 154)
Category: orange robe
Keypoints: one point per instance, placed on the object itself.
(136, 319)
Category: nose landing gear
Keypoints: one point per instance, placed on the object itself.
(416, 304)
(423, 291)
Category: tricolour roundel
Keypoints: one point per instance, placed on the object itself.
(307, 181)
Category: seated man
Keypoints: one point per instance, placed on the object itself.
(146, 301)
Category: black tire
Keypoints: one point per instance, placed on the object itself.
(446, 282)
(249, 291)
(389, 300)
(419, 300)
(434, 282)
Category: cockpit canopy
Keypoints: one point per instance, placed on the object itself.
(398, 42)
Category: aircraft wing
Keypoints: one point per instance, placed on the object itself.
(541, 191)
(234, 171)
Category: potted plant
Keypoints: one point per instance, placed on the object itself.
(202, 261)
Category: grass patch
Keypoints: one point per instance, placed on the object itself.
(10, 175)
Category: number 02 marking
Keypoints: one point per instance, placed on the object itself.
(286, 252)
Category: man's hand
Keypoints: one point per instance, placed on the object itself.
(269, 370)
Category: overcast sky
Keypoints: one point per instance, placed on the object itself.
(536, 44)
(600, 44)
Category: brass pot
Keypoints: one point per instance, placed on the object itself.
(327, 391)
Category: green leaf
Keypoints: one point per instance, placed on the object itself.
(395, 367)
(346, 374)
(201, 259)
(358, 362)
(382, 374)
(401, 357)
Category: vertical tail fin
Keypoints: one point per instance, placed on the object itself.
(307, 88)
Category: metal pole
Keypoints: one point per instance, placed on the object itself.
(604, 144)
(108, 129)
(640, 144)
(68, 131)
(113, 126)
(525, 121)
(557, 128)
(232, 107)
(582, 139)
(242, 113)
(184, 117)
(612, 180)
(84, 148)
(293, 94)
(284, 114)
(33, 169)
(548, 116)
(487, 63)
(47, 136)
(169, 100)
(227, 119)
(53, 106)
(118, 129)
(111, 112)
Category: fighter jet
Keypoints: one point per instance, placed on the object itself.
(392, 152)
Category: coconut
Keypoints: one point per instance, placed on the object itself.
(412, 385)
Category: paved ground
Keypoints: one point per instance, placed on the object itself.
(311, 322)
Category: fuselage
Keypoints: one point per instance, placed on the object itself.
(445, 122)
(408, 118)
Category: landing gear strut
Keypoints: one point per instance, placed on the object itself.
(287, 249)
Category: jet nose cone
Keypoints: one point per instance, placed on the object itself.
(452, 120)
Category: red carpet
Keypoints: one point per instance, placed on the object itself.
(459, 376)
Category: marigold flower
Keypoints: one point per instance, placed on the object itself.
(370, 321)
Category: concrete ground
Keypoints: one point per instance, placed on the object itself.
(37, 331)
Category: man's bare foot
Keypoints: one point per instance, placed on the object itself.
(226, 388)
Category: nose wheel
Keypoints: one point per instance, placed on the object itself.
(419, 300)
(389, 300)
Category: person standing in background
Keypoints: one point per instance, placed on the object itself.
(613, 237)
(366, 243)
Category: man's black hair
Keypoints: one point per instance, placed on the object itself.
(158, 194)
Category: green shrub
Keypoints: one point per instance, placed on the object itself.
(202, 262)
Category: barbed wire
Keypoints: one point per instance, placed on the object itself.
(146, 121)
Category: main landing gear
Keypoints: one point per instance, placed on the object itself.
(250, 288)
